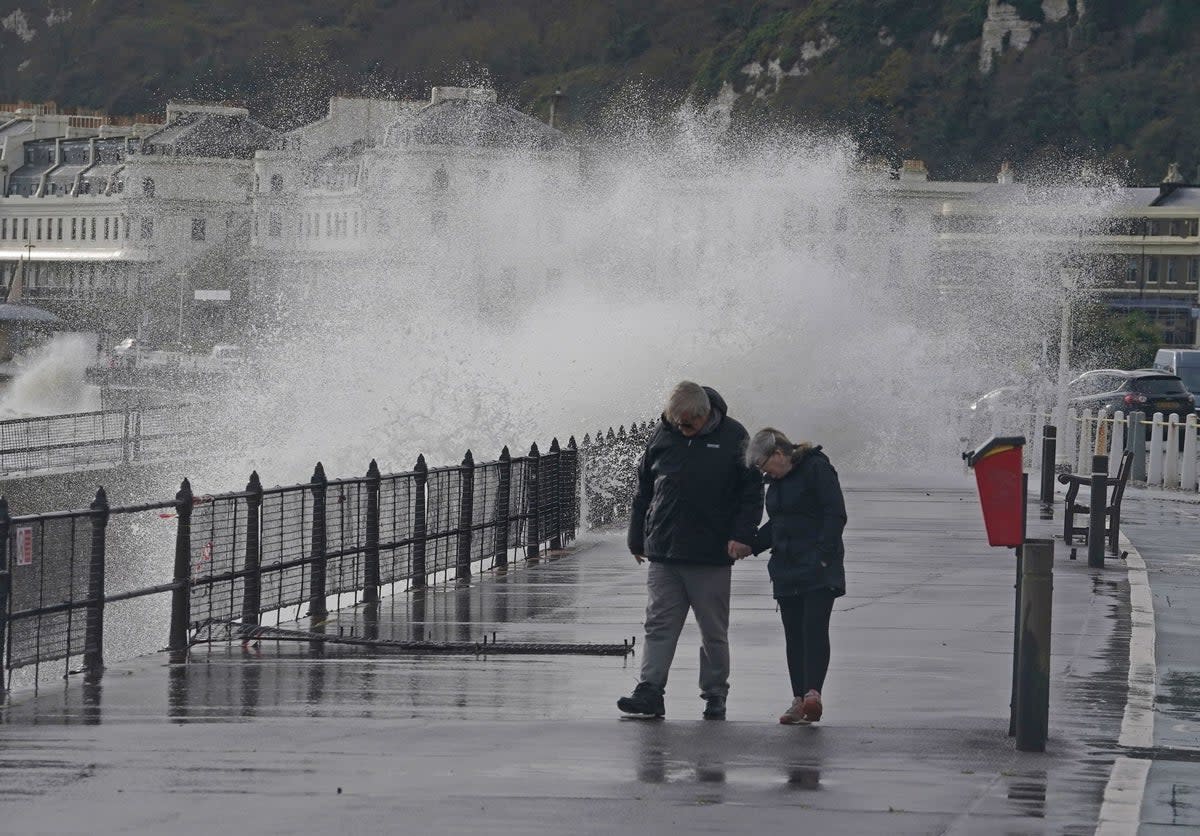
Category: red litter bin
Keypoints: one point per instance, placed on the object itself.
(997, 465)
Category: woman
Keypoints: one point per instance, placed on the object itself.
(806, 515)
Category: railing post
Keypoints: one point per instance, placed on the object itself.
(1098, 512)
(1171, 453)
(1154, 469)
(557, 488)
(503, 496)
(533, 502)
(466, 517)
(181, 595)
(1187, 475)
(1135, 442)
(420, 481)
(317, 609)
(93, 638)
(127, 436)
(574, 489)
(1049, 444)
(5, 584)
(252, 562)
(1033, 687)
(371, 556)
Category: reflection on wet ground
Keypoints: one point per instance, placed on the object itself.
(914, 739)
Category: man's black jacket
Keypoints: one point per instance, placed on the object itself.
(695, 494)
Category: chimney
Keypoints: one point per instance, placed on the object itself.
(914, 171)
(1173, 174)
(1005, 177)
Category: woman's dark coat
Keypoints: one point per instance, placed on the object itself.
(806, 514)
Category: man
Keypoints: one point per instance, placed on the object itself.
(697, 507)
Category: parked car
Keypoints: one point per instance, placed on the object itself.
(1140, 390)
(1184, 362)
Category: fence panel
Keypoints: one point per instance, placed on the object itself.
(218, 548)
(286, 544)
(48, 565)
(346, 536)
(444, 502)
(397, 494)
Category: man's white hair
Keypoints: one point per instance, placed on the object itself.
(687, 402)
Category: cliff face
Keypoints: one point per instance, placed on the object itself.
(962, 84)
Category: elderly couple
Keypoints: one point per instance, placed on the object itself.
(697, 511)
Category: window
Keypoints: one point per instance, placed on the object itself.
(25, 229)
(257, 183)
(148, 187)
(1152, 270)
(125, 223)
(74, 228)
(1193, 269)
(39, 229)
(1133, 271)
(147, 228)
(276, 183)
(58, 229)
(3, 228)
(328, 225)
(198, 229)
(93, 229)
(1172, 269)
(275, 225)
(106, 229)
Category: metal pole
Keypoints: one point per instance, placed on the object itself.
(317, 609)
(466, 516)
(1033, 690)
(1098, 511)
(573, 487)
(420, 482)
(557, 488)
(1012, 702)
(503, 497)
(533, 500)
(252, 585)
(1049, 443)
(371, 555)
(181, 596)
(1064, 355)
(93, 639)
(5, 585)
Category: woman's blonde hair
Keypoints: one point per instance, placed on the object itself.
(769, 440)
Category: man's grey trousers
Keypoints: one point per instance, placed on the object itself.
(673, 588)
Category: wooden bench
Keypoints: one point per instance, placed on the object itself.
(1112, 513)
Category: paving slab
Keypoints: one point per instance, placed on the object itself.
(296, 738)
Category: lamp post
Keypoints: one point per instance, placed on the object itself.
(1069, 279)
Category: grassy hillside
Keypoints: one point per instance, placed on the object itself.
(1113, 82)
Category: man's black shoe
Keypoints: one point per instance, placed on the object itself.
(646, 701)
(714, 708)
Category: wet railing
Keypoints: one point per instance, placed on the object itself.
(91, 440)
(231, 558)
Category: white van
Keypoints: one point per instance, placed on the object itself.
(1183, 362)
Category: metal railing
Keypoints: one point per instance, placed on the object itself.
(91, 440)
(239, 555)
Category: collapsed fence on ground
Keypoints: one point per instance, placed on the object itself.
(240, 555)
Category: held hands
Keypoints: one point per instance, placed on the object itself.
(640, 558)
(737, 550)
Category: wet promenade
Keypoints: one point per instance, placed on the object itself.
(285, 739)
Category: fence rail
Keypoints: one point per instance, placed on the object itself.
(90, 440)
(241, 554)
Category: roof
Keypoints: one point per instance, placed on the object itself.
(204, 134)
(477, 124)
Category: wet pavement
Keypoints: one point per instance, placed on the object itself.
(1167, 534)
(286, 738)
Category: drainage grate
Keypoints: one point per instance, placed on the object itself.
(217, 631)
